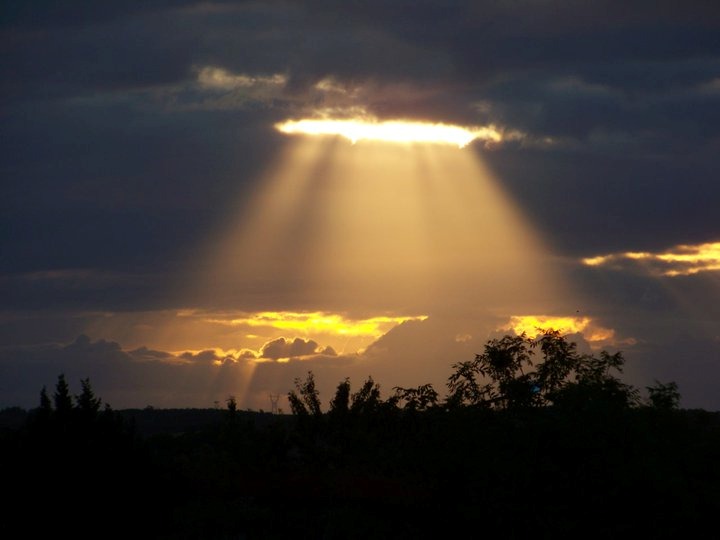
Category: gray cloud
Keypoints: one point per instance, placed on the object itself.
(143, 353)
(286, 348)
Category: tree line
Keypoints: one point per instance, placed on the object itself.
(512, 373)
(531, 438)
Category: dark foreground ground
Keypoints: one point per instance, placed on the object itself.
(385, 473)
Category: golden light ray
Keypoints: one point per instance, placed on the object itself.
(681, 260)
(378, 229)
(340, 243)
(395, 131)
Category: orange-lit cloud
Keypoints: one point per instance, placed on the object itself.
(316, 322)
(394, 131)
(532, 325)
(275, 349)
(682, 260)
(238, 334)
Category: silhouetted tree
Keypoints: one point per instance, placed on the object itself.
(596, 385)
(367, 399)
(87, 403)
(496, 378)
(231, 407)
(62, 398)
(465, 386)
(44, 412)
(664, 396)
(560, 361)
(231, 404)
(417, 399)
(340, 404)
(45, 403)
(306, 400)
(504, 376)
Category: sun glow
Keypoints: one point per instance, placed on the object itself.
(394, 131)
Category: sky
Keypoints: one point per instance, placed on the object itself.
(162, 234)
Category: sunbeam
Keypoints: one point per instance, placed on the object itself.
(340, 243)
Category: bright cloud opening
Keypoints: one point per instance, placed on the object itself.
(532, 325)
(393, 131)
(319, 322)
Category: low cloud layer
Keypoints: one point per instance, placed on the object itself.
(411, 354)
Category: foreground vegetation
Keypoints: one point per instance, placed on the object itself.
(531, 439)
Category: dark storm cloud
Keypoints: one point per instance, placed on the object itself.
(427, 41)
(50, 53)
(516, 58)
(575, 106)
(43, 13)
(89, 290)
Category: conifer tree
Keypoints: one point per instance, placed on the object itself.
(62, 398)
(86, 401)
(45, 403)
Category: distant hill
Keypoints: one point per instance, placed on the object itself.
(150, 421)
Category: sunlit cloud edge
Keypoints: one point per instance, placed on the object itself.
(390, 131)
(680, 260)
(595, 334)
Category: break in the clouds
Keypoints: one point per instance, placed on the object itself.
(148, 201)
(391, 131)
(591, 331)
(315, 322)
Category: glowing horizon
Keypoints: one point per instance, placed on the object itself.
(392, 131)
